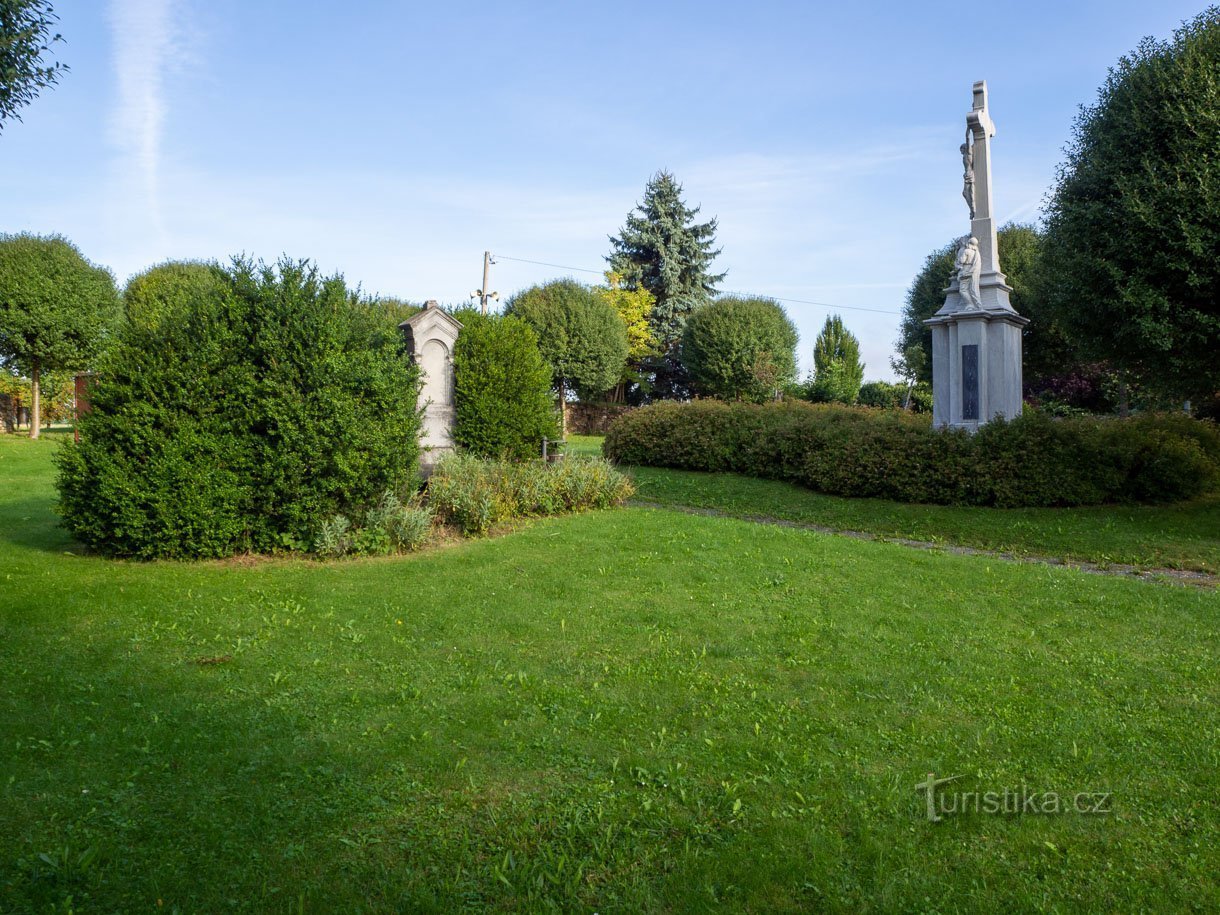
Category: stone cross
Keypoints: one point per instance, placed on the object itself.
(982, 226)
(976, 335)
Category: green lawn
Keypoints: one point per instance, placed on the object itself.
(632, 710)
(1185, 536)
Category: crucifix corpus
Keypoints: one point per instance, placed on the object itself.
(976, 335)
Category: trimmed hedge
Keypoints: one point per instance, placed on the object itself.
(852, 451)
(252, 408)
(502, 389)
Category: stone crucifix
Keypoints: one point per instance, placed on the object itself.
(976, 335)
(981, 129)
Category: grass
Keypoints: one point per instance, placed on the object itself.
(623, 711)
(1182, 536)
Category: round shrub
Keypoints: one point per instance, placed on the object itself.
(740, 349)
(502, 388)
(850, 451)
(580, 335)
(252, 407)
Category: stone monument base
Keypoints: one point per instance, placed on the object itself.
(976, 367)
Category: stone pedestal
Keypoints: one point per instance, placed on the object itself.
(976, 366)
(430, 336)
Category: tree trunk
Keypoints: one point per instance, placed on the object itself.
(563, 410)
(35, 401)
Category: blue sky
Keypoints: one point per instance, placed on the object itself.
(395, 142)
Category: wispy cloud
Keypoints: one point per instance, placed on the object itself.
(143, 40)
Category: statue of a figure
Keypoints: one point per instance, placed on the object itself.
(968, 172)
(969, 265)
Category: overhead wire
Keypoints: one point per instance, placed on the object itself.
(879, 311)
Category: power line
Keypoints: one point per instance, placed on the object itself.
(879, 311)
(522, 260)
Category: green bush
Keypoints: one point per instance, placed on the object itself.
(502, 389)
(474, 493)
(390, 526)
(580, 335)
(244, 412)
(1031, 461)
(740, 349)
(889, 396)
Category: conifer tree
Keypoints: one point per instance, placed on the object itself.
(662, 249)
(837, 369)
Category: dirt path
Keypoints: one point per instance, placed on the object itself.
(1175, 576)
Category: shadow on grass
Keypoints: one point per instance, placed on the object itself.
(140, 774)
(32, 524)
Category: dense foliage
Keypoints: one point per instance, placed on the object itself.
(580, 335)
(473, 494)
(1133, 225)
(26, 37)
(663, 250)
(161, 291)
(1031, 461)
(634, 307)
(890, 396)
(250, 413)
(740, 349)
(56, 309)
(837, 369)
(503, 406)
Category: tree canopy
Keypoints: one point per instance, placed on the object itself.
(56, 308)
(633, 306)
(837, 369)
(1133, 224)
(156, 294)
(580, 335)
(740, 349)
(661, 248)
(26, 36)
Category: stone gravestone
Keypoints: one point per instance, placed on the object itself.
(976, 335)
(430, 336)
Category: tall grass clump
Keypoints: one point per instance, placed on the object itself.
(473, 494)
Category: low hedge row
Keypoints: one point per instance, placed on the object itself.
(852, 451)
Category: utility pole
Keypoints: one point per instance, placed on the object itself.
(484, 294)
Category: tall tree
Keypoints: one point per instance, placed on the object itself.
(25, 37)
(580, 335)
(740, 349)
(634, 306)
(837, 369)
(56, 309)
(663, 249)
(1133, 224)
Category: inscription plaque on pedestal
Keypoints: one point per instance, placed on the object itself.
(970, 381)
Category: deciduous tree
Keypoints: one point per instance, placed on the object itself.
(580, 335)
(740, 349)
(1133, 225)
(56, 309)
(26, 37)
